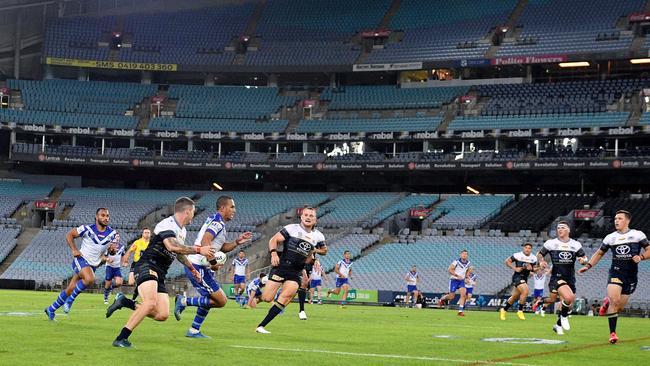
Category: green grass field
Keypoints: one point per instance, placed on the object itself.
(331, 336)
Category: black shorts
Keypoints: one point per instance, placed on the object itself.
(279, 274)
(627, 282)
(556, 282)
(308, 269)
(145, 272)
(518, 279)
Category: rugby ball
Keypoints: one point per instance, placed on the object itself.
(220, 257)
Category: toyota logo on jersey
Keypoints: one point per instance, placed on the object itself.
(623, 249)
(305, 246)
(565, 255)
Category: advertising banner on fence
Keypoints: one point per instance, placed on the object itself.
(356, 295)
(519, 60)
(387, 67)
(118, 65)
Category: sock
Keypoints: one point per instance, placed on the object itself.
(124, 334)
(203, 301)
(507, 306)
(276, 309)
(107, 291)
(612, 322)
(302, 295)
(135, 294)
(237, 298)
(559, 323)
(565, 310)
(521, 307)
(201, 313)
(77, 290)
(60, 300)
(128, 303)
(461, 308)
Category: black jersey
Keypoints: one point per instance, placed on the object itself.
(624, 247)
(157, 255)
(522, 260)
(563, 256)
(298, 244)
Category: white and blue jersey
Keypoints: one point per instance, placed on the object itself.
(345, 266)
(460, 271)
(254, 285)
(411, 281)
(239, 266)
(540, 280)
(214, 225)
(93, 246)
(315, 278)
(114, 262)
(471, 282)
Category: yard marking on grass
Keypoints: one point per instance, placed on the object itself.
(556, 351)
(380, 355)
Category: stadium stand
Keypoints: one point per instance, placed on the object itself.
(77, 38)
(389, 97)
(8, 240)
(406, 203)
(535, 212)
(610, 119)
(355, 243)
(558, 27)
(216, 125)
(572, 97)
(354, 209)
(638, 207)
(369, 125)
(444, 31)
(15, 193)
(124, 213)
(468, 211)
(295, 32)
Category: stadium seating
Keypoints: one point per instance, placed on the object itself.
(15, 193)
(352, 209)
(389, 97)
(255, 208)
(405, 203)
(433, 255)
(535, 212)
(453, 31)
(355, 243)
(559, 27)
(369, 125)
(216, 125)
(556, 98)
(609, 119)
(228, 101)
(638, 207)
(8, 237)
(63, 33)
(298, 32)
(67, 119)
(124, 213)
(468, 211)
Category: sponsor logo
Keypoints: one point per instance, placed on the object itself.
(493, 165)
(382, 136)
(520, 133)
(306, 166)
(621, 131)
(213, 165)
(471, 166)
(210, 135)
(74, 160)
(260, 165)
(194, 165)
(296, 136)
(472, 134)
(515, 60)
(33, 128)
(517, 165)
(80, 131)
(375, 166)
(339, 136)
(524, 340)
(238, 165)
(136, 162)
(411, 166)
(574, 165)
(623, 250)
(167, 134)
(228, 165)
(565, 255)
(616, 164)
(545, 165)
(509, 165)
(120, 161)
(629, 164)
(425, 135)
(41, 157)
(350, 166)
(569, 132)
(125, 133)
(253, 136)
(442, 166)
(598, 164)
(285, 166)
(99, 161)
(615, 280)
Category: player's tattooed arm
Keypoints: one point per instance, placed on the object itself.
(173, 245)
